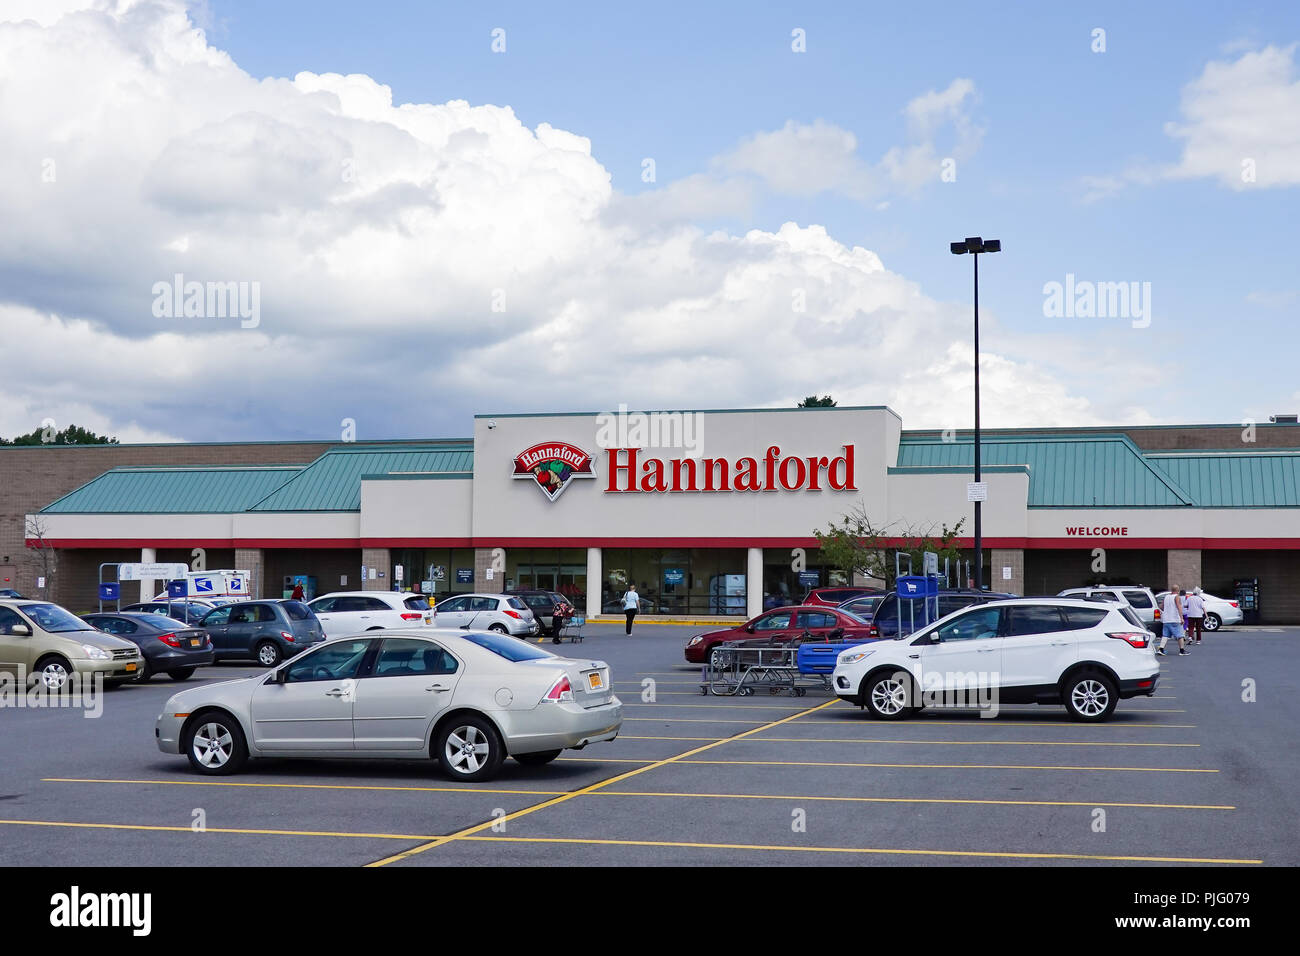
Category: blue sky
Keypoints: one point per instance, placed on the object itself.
(1073, 158)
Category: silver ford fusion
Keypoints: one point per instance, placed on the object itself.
(467, 699)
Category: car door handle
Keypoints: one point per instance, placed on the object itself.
(438, 687)
(1059, 643)
(984, 650)
(913, 656)
(336, 692)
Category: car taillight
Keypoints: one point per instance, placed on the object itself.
(1157, 614)
(873, 631)
(412, 617)
(169, 639)
(514, 614)
(1233, 603)
(1136, 638)
(560, 691)
(287, 636)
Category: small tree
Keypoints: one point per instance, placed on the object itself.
(41, 556)
(857, 545)
(812, 401)
(48, 435)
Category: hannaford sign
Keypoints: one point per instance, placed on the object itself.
(629, 471)
(553, 465)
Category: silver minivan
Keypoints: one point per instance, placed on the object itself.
(1138, 597)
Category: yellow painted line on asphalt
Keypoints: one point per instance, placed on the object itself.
(235, 830)
(945, 743)
(1008, 803)
(891, 766)
(1003, 855)
(303, 786)
(790, 706)
(993, 723)
(689, 720)
(555, 801)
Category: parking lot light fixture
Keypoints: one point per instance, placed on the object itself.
(976, 245)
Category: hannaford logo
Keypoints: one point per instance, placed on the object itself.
(553, 465)
(775, 472)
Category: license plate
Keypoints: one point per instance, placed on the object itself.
(194, 642)
(594, 680)
(427, 619)
(130, 667)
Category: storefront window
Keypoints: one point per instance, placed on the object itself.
(783, 585)
(563, 570)
(677, 581)
(443, 570)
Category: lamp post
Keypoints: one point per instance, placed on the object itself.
(975, 245)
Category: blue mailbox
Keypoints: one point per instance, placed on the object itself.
(176, 589)
(109, 591)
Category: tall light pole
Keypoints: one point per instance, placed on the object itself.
(975, 245)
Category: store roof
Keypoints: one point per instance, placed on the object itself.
(1235, 480)
(160, 490)
(1102, 471)
(333, 481)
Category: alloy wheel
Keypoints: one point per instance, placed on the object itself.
(889, 696)
(213, 744)
(54, 676)
(467, 749)
(1090, 697)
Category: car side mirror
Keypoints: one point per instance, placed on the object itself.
(749, 628)
(836, 632)
(278, 677)
(20, 630)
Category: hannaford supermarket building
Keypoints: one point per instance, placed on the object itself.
(703, 510)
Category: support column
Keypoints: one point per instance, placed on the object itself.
(147, 556)
(251, 560)
(494, 558)
(754, 583)
(378, 559)
(1013, 558)
(1184, 568)
(595, 581)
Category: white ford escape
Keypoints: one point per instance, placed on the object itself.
(1082, 654)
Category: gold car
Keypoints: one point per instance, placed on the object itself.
(42, 640)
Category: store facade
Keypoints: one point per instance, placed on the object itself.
(709, 513)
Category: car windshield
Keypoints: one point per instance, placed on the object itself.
(296, 610)
(849, 612)
(511, 648)
(52, 618)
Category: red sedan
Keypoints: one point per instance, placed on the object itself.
(780, 625)
(834, 597)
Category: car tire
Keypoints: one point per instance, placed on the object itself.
(146, 673)
(888, 695)
(53, 672)
(499, 628)
(468, 748)
(214, 744)
(1212, 622)
(1089, 697)
(268, 654)
(181, 673)
(536, 759)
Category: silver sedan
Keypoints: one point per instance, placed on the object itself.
(464, 698)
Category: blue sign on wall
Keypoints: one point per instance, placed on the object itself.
(809, 579)
(674, 575)
(176, 589)
(109, 591)
(464, 575)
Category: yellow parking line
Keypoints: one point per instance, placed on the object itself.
(555, 801)
(689, 720)
(1004, 721)
(946, 743)
(1009, 803)
(1004, 855)
(302, 786)
(790, 706)
(894, 766)
(184, 829)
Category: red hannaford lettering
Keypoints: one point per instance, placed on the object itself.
(629, 470)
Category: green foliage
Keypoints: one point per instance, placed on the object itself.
(812, 401)
(855, 544)
(72, 435)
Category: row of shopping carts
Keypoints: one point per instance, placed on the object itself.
(744, 668)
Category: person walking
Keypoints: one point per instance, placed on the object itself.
(631, 604)
(1172, 616)
(1195, 616)
(298, 593)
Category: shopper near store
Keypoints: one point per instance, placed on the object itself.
(631, 604)
(298, 593)
(1172, 616)
(1195, 616)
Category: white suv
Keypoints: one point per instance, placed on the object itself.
(344, 613)
(1085, 655)
(1138, 597)
(503, 613)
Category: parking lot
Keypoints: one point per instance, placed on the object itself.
(1195, 774)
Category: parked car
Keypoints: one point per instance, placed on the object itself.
(1085, 655)
(1138, 597)
(885, 620)
(864, 606)
(45, 641)
(834, 597)
(167, 649)
(187, 611)
(1219, 612)
(344, 613)
(549, 609)
(503, 613)
(265, 631)
(465, 699)
(11, 593)
(780, 626)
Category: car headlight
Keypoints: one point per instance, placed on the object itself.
(695, 640)
(96, 653)
(852, 657)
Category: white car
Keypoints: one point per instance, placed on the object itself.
(344, 613)
(1138, 597)
(1219, 612)
(503, 613)
(1085, 655)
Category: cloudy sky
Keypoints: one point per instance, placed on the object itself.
(443, 210)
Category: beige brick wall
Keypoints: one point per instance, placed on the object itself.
(482, 561)
(1184, 568)
(1013, 558)
(380, 559)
